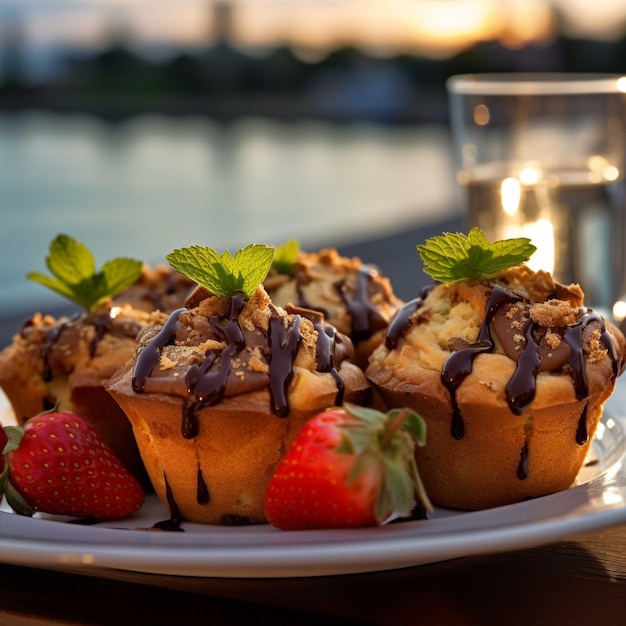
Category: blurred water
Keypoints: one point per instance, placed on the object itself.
(146, 186)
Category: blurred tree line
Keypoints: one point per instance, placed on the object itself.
(336, 82)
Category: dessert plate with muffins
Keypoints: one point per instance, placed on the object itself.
(517, 382)
(264, 552)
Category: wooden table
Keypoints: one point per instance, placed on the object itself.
(580, 581)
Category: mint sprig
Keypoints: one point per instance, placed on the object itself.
(286, 257)
(75, 276)
(453, 256)
(223, 274)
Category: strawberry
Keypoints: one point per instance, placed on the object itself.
(59, 464)
(348, 467)
(3, 442)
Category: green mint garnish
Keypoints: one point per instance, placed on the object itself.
(224, 275)
(286, 256)
(75, 277)
(453, 256)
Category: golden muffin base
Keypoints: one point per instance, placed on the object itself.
(238, 445)
(480, 470)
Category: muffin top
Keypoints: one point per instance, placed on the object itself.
(508, 330)
(88, 346)
(353, 296)
(230, 339)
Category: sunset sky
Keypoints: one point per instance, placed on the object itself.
(435, 27)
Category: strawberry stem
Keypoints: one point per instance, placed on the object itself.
(392, 426)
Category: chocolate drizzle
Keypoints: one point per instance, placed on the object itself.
(582, 434)
(206, 386)
(173, 524)
(283, 344)
(102, 324)
(365, 317)
(458, 365)
(400, 322)
(149, 356)
(325, 354)
(574, 338)
(520, 391)
(51, 339)
(202, 489)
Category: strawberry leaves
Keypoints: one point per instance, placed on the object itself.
(223, 274)
(453, 256)
(75, 276)
(347, 467)
(387, 439)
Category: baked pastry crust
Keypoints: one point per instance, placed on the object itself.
(489, 441)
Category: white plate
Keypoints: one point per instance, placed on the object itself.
(598, 501)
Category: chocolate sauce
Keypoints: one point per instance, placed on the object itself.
(205, 386)
(582, 434)
(151, 353)
(574, 337)
(51, 339)
(520, 390)
(173, 524)
(458, 365)
(400, 322)
(326, 338)
(365, 318)
(283, 344)
(202, 490)
(102, 324)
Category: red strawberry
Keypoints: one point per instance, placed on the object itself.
(3, 442)
(348, 467)
(59, 464)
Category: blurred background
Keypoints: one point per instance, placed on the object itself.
(139, 126)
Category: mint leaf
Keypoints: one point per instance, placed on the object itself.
(69, 260)
(224, 275)
(453, 256)
(286, 256)
(75, 277)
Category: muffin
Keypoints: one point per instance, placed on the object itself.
(219, 389)
(510, 373)
(62, 363)
(353, 296)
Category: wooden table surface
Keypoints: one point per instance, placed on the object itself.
(579, 581)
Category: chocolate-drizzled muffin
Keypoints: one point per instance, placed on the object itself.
(510, 374)
(353, 296)
(218, 391)
(63, 362)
